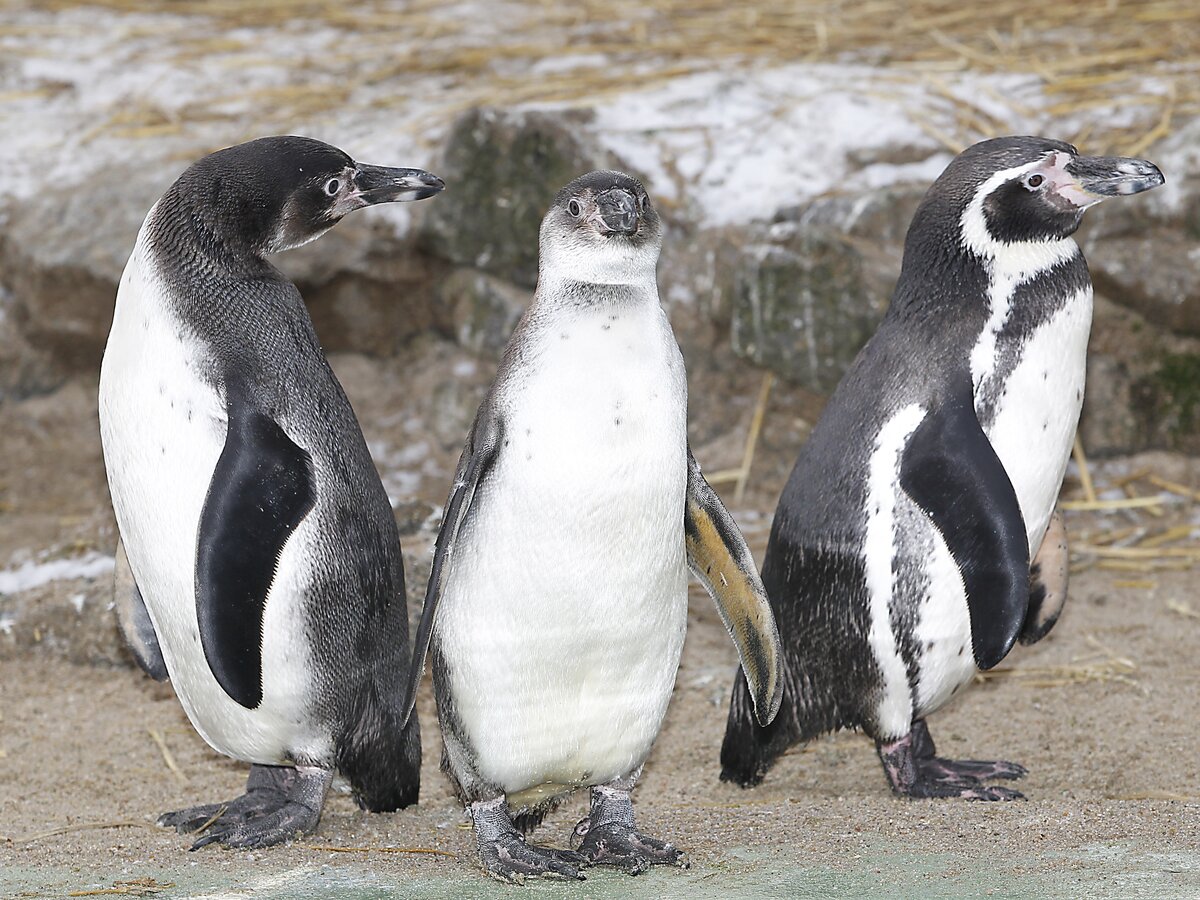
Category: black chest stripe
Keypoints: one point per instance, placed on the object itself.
(1033, 304)
(951, 471)
(261, 489)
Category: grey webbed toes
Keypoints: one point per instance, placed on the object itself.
(294, 819)
(509, 859)
(964, 789)
(193, 818)
(977, 769)
(614, 844)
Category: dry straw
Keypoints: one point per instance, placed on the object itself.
(1138, 62)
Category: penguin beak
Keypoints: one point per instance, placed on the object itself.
(378, 184)
(1098, 177)
(616, 212)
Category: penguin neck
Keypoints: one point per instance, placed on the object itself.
(189, 239)
(559, 291)
(953, 272)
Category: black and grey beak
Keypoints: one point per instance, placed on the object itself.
(1114, 176)
(617, 212)
(378, 184)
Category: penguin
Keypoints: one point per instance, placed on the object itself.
(557, 603)
(259, 565)
(899, 562)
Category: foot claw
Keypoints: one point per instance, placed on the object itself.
(509, 859)
(279, 827)
(614, 844)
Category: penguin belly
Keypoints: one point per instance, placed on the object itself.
(565, 607)
(1038, 412)
(163, 427)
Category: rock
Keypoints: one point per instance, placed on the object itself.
(482, 309)
(803, 305)
(73, 621)
(880, 216)
(502, 170)
(1143, 386)
(1154, 272)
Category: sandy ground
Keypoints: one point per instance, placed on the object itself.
(1109, 738)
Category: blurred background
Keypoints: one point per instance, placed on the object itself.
(787, 145)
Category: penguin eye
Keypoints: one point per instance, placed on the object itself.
(332, 186)
(1034, 181)
(574, 208)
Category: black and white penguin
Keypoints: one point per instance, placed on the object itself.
(260, 566)
(899, 561)
(557, 601)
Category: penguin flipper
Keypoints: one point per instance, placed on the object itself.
(1047, 582)
(135, 620)
(951, 472)
(719, 558)
(261, 489)
(477, 459)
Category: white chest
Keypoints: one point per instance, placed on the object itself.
(162, 426)
(1037, 411)
(563, 612)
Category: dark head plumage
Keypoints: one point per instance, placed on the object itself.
(275, 193)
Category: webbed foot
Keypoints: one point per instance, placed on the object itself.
(280, 803)
(914, 770)
(505, 854)
(608, 836)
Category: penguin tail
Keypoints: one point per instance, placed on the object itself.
(531, 817)
(749, 749)
(381, 760)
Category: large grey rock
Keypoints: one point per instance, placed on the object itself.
(61, 260)
(1144, 251)
(482, 309)
(1154, 272)
(502, 170)
(803, 305)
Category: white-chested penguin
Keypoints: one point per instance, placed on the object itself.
(260, 566)
(900, 557)
(558, 598)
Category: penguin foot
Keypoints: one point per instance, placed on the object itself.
(266, 792)
(509, 859)
(607, 836)
(293, 820)
(913, 770)
(931, 767)
(281, 802)
(505, 854)
(970, 769)
(613, 844)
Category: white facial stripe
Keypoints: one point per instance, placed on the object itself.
(895, 707)
(1008, 264)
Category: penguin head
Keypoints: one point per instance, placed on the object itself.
(1018, 190)
(276, 193)
(602, 228)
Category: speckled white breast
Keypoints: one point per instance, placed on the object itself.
(565, 604)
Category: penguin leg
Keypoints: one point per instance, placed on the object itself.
(608, 836)
(280, 803)
(913, 770)
(504, 853)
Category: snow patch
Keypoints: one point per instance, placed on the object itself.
(31, 574)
